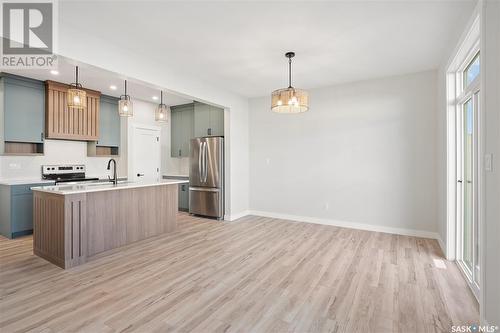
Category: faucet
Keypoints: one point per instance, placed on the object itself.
(114, 180)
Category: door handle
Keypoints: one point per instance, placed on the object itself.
(140, 175)
(41, 136)
(459, 181)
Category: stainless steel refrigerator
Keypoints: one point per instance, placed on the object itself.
(206, 177)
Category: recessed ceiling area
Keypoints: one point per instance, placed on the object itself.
(108, 83)
(240, 46)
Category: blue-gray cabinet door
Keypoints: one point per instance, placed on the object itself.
(175, 133)
(216, 124)
(183, 196)
(201, 119)
(109, 122)
(22, 212)
(181, 122)
(24, 109)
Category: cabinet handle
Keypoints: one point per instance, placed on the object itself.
(180, 152)
(209, 131)
(41, 136)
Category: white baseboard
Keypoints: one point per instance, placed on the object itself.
(234, 217)
(441, 245)
(352, 225)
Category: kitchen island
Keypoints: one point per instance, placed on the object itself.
(73, 223)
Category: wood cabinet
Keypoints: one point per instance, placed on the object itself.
(182, 130)
(22, 103)
(66, 123)
(208, 120)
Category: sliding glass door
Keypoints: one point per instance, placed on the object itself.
(467, 157)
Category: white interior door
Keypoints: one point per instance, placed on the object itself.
(146, 155)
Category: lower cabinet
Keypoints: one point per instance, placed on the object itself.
(183, 192)
(16, 213)
(184, 197)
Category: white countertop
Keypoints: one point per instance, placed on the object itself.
(97, 187)
(24, 181)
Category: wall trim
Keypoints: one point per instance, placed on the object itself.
(442, 246)
(346, 224)
(234, 217)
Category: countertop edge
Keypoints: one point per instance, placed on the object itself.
(45, 189)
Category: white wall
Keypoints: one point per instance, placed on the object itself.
(490, 49)
(56, 152)
(364, 153)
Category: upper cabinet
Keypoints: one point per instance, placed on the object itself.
(22, 105)
(182, 131)
(108, 143)
(208, 120)
(193, 120)
(69, 123)
(109, 122)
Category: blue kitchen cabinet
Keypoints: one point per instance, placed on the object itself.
(181, 122)
(16, 213)
(208, 120)
(24, 109)
(109, 122)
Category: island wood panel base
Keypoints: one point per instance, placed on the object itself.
(125, 216)
(69, 229)
(59, 228)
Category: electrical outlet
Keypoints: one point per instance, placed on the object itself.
(327, 206)
(488, 162)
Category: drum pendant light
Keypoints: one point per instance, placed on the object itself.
(125, 106)
(77, 97)
(290, 100)
(161, 112)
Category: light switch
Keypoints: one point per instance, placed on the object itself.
(268, 161)
(488, 162)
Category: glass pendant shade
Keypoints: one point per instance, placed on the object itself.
(125, 105)
(161, 112)
(289, 100)
(77, 97)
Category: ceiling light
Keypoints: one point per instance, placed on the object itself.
(155, 98)
(161, 112)
(77, 97)
(125, 106)
(289, 100)
(54, 72)
(112, 87)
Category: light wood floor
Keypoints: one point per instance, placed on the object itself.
(255, 275)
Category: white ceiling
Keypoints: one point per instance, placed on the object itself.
(99, 79)
(241, 45)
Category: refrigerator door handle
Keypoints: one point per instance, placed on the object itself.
(200, 152)
(204, 189)
(205, 169)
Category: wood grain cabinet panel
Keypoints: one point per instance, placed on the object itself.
(70, 123)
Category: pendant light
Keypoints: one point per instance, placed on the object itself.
(125, 107)
(289, 100)
(161, 112)
(77, 97)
